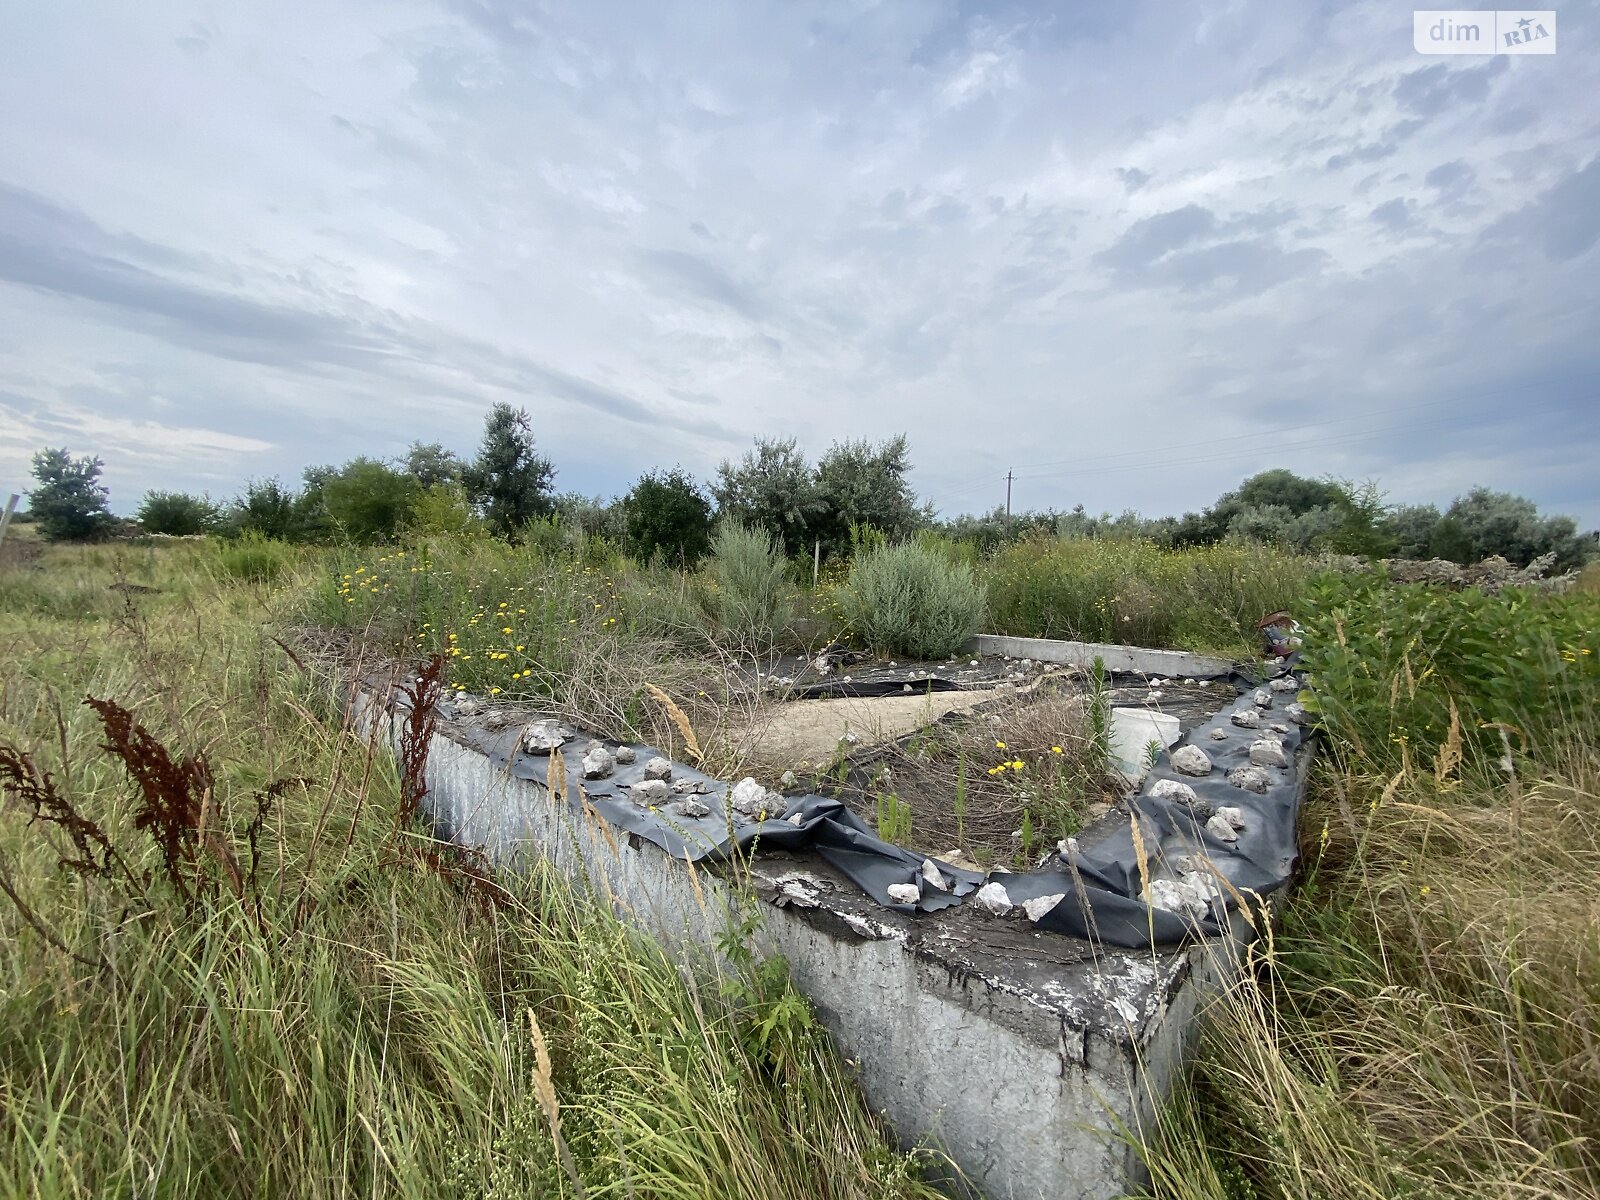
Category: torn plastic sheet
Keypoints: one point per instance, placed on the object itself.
(1185, 853)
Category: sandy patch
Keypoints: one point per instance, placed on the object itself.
(806, 733)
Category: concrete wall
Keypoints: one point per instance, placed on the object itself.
(1018, 1053)
(1117, 659)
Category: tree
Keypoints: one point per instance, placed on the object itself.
(771, 488)
(509, 481)
(666, 513)
(266, 508)
(69, 505)
(176, 513)
(367, 500)
(1485, 522)
(861, 484)
(592, 515)
(1412, 527)
(429, 463)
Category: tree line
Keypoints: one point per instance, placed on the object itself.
(507, 489)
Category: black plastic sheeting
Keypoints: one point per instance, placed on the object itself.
(1101, 886)
(817, 823)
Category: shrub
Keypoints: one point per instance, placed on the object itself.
(177, 513)
(266, 509)
(667, 515)
(911, 599)
(367, 500)
(443, 510)
(253, 558)
(751, 599)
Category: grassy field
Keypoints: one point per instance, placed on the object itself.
(259, 980)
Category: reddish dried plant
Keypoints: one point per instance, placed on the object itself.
(416, 736)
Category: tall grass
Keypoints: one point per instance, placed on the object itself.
(1425, 1021)
(364, 1029)
(1134, 592)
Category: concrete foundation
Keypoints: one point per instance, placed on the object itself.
(1117, 659)
(1021, 1054)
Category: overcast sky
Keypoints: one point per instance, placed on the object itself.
(1133, 252)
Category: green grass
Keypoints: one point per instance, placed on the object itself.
(1424, 1020)
(356, 1020)
(1133, 592)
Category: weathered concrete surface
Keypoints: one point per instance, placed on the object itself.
(1117, 659)
(1016, 1052)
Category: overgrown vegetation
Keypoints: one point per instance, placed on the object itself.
(1424, 1021)
(231, 968)
(913, 600)
(1132, 591)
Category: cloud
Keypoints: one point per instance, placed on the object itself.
(1190, 249)
(1433, 90)
(323, 234)
(1397, 215)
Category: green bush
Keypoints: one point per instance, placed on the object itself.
(177, 513)
(443, 510)
(1389, 662)
(911, 599)
(253, 558)
(750, 600)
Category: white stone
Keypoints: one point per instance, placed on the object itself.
(658, 768)
(1268, 752)
(790, 779)
(1251, 779)
(1219, 734)
(1172, 789)
(973, 663)
(992, 896)
(1040, 905)
(1167, 896)
(542, 737)
(1261, 698)
(1204, 886)
(1068, 848)
(468, 706)
(751, 799)
(626, 754)
(933, 876)
(1191, 760)
(1285, 683)
(651, 792)
(1300, 715)
(691, 808)
(598, 762)
(1222, 826)
(1231, 816)
(904, 893)
(1246, 718)
(795, 819)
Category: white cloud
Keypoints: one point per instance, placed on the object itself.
(324, 234)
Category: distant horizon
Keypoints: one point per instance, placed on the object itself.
(1131, 254)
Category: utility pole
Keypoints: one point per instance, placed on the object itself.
(1008, 503)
